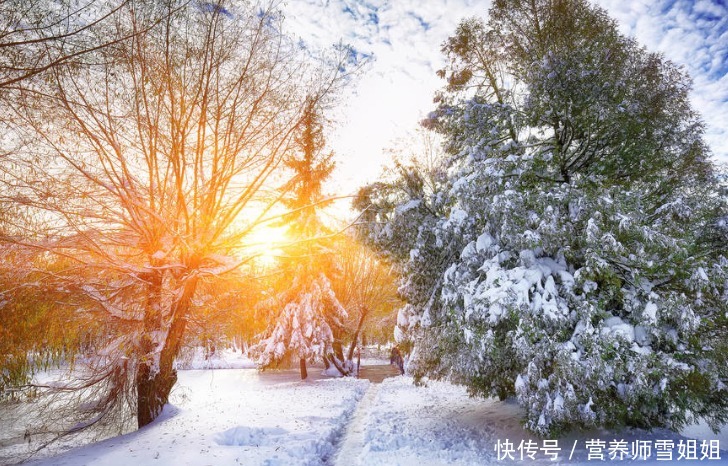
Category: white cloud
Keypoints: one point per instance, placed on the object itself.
(397, 90)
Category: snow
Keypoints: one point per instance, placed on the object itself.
(457, 216)
(484, 242)
(237, 416)
(227, 358)
(616, 326)
(412, 204)
(242, 416)
(641, 336)
(650, 312)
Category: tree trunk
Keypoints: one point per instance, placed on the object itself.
(304, 372)
(153, 386)
(338, 349)
(337, 364)
(152, 392)
(354, 341)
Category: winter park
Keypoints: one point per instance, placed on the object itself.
(363, 232)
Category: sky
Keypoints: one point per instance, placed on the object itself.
(382, 108)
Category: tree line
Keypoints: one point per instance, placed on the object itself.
(566, 247)
(141, 145)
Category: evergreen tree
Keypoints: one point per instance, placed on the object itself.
(401, 217)
(310, 311)
(576, 216)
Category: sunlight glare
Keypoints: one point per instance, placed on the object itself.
(265, 243)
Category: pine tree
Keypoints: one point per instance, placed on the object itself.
(576, 215)
(310, 311)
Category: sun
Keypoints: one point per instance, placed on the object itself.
(264, 244)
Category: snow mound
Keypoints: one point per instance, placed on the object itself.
(244, 435)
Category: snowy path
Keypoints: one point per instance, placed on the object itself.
(352, 445)
(378, 372)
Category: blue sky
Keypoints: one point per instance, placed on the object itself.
(404, 38)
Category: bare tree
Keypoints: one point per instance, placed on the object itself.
(145, 163)
(368, 289)
(37, 35)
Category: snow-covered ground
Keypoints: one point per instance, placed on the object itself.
(241, 416)
(441, 425)
(235, 416)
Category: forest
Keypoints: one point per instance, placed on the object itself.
(560, 239)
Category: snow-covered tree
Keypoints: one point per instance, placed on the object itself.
(144, 160)
(577, 271)
(400, 217)
(301, 331)
(310, 312)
